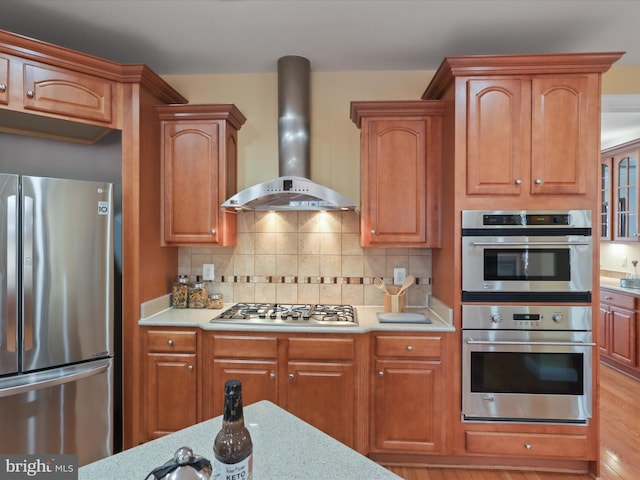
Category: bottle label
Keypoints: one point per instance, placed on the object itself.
(242, 470)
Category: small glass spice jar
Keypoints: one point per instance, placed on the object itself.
(197, 294)
(180, 293)
(215, 300)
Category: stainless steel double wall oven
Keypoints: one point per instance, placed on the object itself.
(527, 343)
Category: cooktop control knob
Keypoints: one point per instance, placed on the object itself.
(495, 318)
(556, 317)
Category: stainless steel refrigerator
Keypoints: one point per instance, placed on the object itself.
(56, 317)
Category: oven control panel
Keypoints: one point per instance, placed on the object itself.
(526, 317)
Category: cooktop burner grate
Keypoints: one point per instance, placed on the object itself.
(282, 313)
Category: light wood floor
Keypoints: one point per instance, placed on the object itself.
(619, 435)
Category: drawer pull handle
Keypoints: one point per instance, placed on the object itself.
(409, 348)
(170, 342)
(527, 446)
(3, 87)
(30, 93)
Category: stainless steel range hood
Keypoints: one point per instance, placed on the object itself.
(292, 191)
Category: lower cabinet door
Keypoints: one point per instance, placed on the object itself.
(623, 336)
(408, 407)
(258, 377)
(171, 393)
(321, 394)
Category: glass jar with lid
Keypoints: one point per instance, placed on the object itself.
(180, 292)
(197, 294)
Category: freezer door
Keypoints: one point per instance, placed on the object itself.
(65, 410)
(67, 271)
(8, 274)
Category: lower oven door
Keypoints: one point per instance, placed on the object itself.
(529, 376)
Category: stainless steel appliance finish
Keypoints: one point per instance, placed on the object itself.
(527, 256)
(56, 329)
(525, 363)
(289, 314)
(292, 191)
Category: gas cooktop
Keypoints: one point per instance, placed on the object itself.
(289, 314)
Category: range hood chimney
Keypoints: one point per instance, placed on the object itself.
(292, 190)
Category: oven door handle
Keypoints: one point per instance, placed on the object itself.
(502, 342)
(518, 244)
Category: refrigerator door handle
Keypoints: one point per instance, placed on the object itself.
(12, 274)
(27, 274)
(51, 378)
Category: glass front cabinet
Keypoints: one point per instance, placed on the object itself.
(619, 184)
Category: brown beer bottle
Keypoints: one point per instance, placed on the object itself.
(233, 448)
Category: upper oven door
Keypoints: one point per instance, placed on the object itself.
(527, 376)
(527, 264)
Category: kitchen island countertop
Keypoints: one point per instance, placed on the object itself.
(439, 314)
(284, 447)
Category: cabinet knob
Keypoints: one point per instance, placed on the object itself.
(381, 373)
(190, 367)
(272, 375)
(3, 87)
(213, 231)
(538, 181)
(30, 93)
(607, 297)
(291, 376)
(527, 446)
(409, 347)
(374, 231)
(518, 181)
(170, 342)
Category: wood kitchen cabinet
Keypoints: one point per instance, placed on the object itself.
(4, 80)
(528, 134)
(311, 376)
(171, 381)
(57, 102)
(199, 156)
(619, 329)
(400, 151)
(620, 187)
(408, 394)
(320, 384)
(252, 359)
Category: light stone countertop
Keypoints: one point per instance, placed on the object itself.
(284, 448)
(614, 284)
(159, 314)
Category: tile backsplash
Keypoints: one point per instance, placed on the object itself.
(305, 257)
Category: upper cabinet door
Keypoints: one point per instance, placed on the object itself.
(626, 184)
(400, 166)
(199, 156)
(606, 204)
(4, 81)
(65, 92)
(497, 136)
(560, 144)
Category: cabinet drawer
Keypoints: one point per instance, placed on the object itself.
(244, 347)
(409, 347)
(527, 444)
(618, 299)
(321, 349)
(171, 341)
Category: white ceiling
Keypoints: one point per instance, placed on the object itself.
(248, 36)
